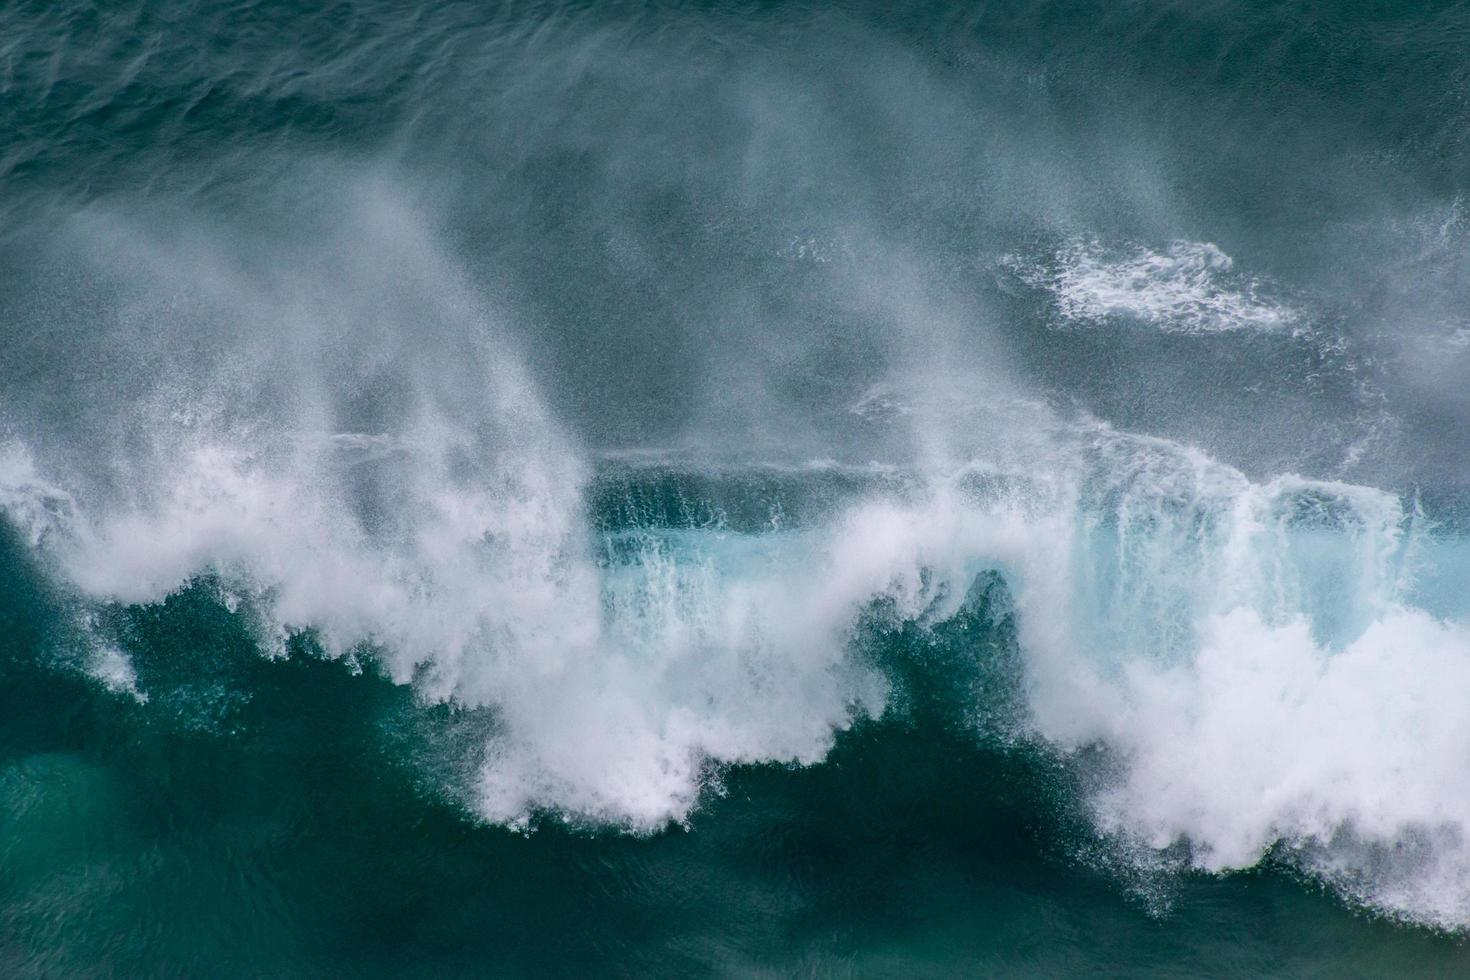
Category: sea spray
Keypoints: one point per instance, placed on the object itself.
(784, 488)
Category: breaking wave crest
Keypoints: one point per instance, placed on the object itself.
(1269, 667)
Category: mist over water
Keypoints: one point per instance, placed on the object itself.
(621, 416)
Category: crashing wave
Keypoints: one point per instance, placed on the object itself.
(1271, 664)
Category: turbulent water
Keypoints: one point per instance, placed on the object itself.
(734, 489)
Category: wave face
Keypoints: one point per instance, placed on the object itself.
(609, 424)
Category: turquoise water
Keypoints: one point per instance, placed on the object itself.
(734, 489)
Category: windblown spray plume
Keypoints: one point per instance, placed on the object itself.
(736, 475)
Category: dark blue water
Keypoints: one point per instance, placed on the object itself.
(734, 489)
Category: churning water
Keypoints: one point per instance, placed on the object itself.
(755, 489)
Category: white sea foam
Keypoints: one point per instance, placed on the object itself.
(1269, 662)
(1353, 756)
(1251, 653)
(116, 671)
(1188, 287)
(1254, 657)
(615, 686)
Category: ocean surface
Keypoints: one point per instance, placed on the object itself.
(734, 489)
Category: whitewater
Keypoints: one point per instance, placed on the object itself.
(594, 435)
(1267, 664)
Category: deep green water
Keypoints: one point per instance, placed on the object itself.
(741, 489)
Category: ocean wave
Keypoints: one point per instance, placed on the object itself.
(636, 622)
(1271, 666)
